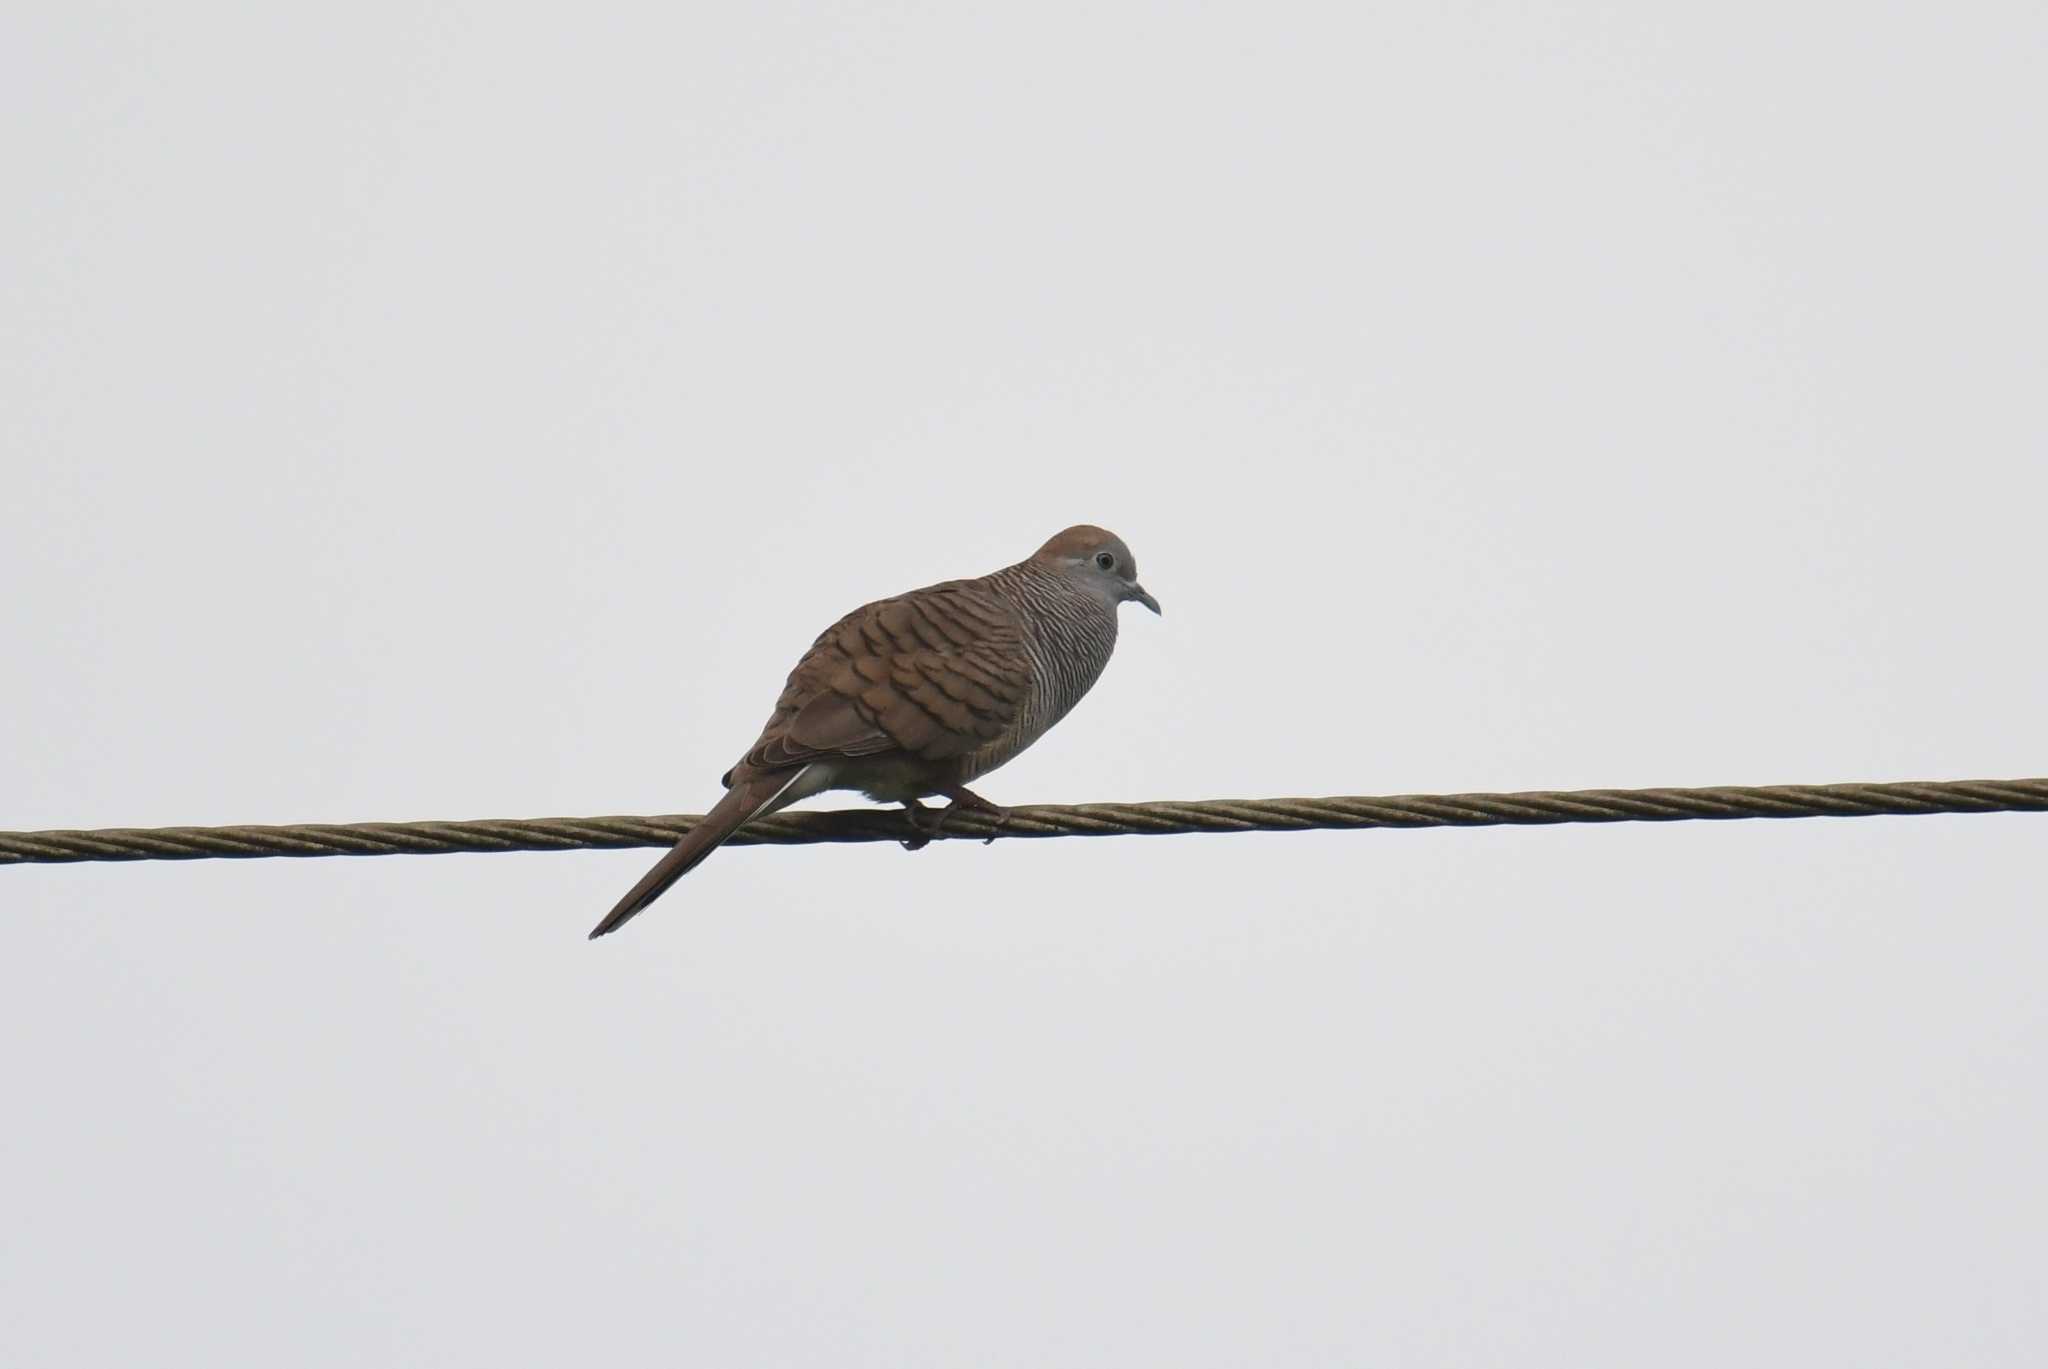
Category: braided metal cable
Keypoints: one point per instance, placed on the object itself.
(1904, 799)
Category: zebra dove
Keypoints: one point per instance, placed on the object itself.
(923, 693)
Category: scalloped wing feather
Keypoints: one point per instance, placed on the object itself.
(935, 674)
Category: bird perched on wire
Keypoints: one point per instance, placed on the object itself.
(923, 693)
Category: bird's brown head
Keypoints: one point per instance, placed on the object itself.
(1098, 560)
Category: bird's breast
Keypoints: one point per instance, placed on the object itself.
(1069, 639)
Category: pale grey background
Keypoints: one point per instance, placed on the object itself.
(471, 411)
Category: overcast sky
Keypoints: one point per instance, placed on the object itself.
(473, 410)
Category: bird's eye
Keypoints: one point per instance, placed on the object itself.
(1106, 560)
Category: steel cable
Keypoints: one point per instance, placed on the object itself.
(1166, 818)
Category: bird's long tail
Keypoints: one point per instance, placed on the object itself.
(742, 802)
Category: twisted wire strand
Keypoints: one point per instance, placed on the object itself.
(1167, 818)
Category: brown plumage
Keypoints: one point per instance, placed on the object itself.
(923, 693)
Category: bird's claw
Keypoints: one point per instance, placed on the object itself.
(913, 813)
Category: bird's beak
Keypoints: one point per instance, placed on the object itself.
(1138, 593)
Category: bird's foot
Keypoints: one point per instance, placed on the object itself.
(915, 812)
(963, 797)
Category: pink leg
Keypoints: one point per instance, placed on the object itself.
(962, 797)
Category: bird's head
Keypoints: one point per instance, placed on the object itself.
(1098, 561)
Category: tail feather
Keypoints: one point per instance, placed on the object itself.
(742, 802)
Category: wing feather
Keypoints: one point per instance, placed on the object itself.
(935, 674)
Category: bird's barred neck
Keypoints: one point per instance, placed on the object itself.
(1069, 633)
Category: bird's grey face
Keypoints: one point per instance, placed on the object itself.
(1108, 568)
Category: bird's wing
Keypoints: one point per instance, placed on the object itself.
(934, 674)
